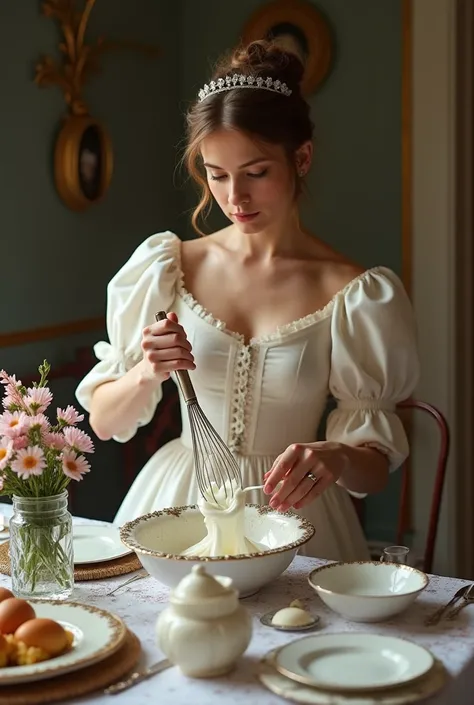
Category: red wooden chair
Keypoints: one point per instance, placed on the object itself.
(439, 479)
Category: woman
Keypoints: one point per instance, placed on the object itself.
(276, 322)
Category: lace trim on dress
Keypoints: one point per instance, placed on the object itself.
(316, 316)
(280, 332)
(194, 305)
(203, 313)
(242, 397)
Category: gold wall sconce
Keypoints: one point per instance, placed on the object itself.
(83, 155)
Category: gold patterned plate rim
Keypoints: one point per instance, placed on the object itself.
(291, 690)
(292, 665)
(97, 635)
(127, 531)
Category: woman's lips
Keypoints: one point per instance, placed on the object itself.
(245, 217)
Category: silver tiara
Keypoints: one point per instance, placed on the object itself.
(240, 81)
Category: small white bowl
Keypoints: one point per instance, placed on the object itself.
(365, 591)
(159, 538)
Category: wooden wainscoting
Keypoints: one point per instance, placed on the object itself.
(60, 330)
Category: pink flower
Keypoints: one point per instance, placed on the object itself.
(13, 423)
(7, 379)
(20, 442)
(6, 449)
(55, 440)
(74, 466)
(38, 399)
(29, 461)
(69, 416)
(39, 421)
(12, 394)
(7, 401)
(78, 439)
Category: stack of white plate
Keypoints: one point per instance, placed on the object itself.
(328, 669)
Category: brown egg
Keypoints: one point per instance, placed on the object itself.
(14, 612)
(43, 633)
(5, 594)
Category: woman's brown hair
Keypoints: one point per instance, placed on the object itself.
(262, 114)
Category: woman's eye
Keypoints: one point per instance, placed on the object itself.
(213, 177)
(259, 174)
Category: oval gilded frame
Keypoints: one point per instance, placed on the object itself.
(67, 162)
(309, 22)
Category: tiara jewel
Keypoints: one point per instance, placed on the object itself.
(240, 81)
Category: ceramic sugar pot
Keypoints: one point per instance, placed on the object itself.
(204, 629)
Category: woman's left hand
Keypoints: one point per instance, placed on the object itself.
(305, 471)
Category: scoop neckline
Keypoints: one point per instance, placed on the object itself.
(281, 331)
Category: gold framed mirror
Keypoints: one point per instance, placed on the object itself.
(83, 162)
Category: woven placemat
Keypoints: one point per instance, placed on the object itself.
(73, 685)
(85, 571)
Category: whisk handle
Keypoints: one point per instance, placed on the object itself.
(184, 379)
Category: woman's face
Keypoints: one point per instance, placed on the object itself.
(253, 183)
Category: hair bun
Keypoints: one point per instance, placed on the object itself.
(264, 58)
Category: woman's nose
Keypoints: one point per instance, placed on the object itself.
(237, 196)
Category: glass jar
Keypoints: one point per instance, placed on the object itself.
(41, 548)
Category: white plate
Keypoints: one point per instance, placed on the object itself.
(353, 661)
(97, 635)
(95, 544)
(412, 692)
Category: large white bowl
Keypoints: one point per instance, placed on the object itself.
(366, 591)
(159, 538)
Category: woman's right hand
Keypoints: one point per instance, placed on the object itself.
(166, 348)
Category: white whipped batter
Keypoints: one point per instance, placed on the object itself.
(224, 520)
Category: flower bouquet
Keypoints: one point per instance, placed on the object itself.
(38, 459)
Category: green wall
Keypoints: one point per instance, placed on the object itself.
(135, 97)
(56, 263)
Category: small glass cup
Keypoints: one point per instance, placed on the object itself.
(395, 554)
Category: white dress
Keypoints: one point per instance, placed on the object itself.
(261, 397)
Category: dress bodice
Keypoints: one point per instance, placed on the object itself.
(262, 396)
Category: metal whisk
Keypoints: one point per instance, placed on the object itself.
(214, 464)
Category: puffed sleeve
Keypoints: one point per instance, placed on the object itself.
(374, 364)
(146, 283)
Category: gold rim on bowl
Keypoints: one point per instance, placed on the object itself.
(409, 568)
(127, 538)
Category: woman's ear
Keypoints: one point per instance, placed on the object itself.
(303, 158)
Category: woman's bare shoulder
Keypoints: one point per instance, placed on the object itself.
(335, 269)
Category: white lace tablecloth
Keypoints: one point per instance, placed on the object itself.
(141, 602)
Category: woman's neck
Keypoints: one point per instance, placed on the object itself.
(280, 240)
